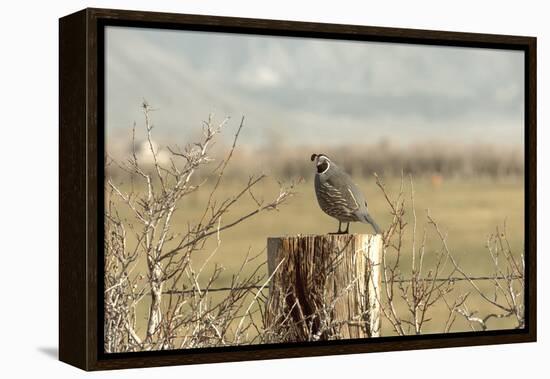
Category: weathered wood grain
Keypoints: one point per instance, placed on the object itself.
(324, 287)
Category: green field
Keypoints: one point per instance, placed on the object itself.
(468, 210)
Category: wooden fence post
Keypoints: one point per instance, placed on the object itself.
(323, 287)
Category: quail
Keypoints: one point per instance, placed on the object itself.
(338, 195)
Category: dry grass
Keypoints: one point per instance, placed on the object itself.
(190, 226)
(468, 210)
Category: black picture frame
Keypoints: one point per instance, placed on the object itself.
(81, 166)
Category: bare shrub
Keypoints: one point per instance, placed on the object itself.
(411, 294)
(508, 281)
(182, 310)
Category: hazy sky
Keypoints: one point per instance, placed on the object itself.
(312, 91)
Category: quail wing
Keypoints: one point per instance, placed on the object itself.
(347, 189)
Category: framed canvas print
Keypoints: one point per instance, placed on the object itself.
(237, 189)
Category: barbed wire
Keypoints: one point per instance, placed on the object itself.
(408, 280)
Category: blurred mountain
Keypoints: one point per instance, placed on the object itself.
(306, 91)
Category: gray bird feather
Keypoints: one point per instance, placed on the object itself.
(341, 198)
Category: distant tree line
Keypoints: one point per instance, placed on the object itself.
(426, 160)
(429, 159)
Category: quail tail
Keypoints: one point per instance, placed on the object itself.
(367, 218)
